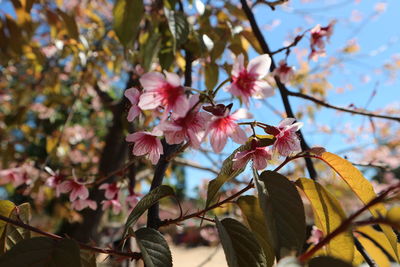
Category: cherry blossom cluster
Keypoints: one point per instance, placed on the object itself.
(192, 118)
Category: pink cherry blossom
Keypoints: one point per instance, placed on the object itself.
(222, 127)
(112, 203)
(15, 176)
(146, 143)
(287, 141)
(284, 72)
(190, 127)
(133, 96)
(80, 204)
(259, 155)
(76, 189)
(163, 91)
(248, 81)
(111, 190)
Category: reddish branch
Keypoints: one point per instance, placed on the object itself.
(199, 214)
(347, 223)
(130, 255)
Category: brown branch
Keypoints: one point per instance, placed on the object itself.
(188, 163)
(346, 224)
(199, 214)
(327, 105)
(271, 4)
(131, 255)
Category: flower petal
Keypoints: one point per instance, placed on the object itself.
(259, 65)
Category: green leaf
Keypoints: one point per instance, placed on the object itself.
(150, 49)
(6, 207)
(240, 245)
(154, 248)
(178, 26)
(146, 202)
(327, 262)
(362, 188)
(13, 234)
(328, 215)
(43, 251)
(224, 175)
(211, 75)
(251, 211)
(284, 212)
(127, 17)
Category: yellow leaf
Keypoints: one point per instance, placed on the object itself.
(328, 216)
(378, 237)
(362, 188)
(51, 143)
(6, 207)
(394, 214)
(377, 255)
(251, 210)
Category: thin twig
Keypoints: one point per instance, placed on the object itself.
(131, 255)
(327, 105)
(216, 205)
(188, 163)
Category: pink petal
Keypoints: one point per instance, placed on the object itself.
(82, 192)
(238, 65)
(134, 111)
(149, 100)
(218, 140)
(260, 163)
(286, 122)
(133, 137)
(173, 79)
(181, 106)
(132, 94)
(241, 113)
(259, 65)
(239, 135)
(262, 89)
(152, 80)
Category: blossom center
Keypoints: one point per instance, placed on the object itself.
(245, 82)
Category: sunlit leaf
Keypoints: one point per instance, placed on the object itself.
(378, 237)
(154, 248)
(284, 212)
(46, 251)
(240, 245)
(146, 202)
(211, 75)
(12, 233)
(373, 251)
(70, 24)
(250, 207)
(6, 207)
(328, 215)
(362, 188)
(127, 17)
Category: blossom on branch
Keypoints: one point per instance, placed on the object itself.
(165, 91)
(318, 34)
(190, 127)
(75, 188)
(287, 141)
(146, 143)
(222, 127)
(248, 81)
(133, 96)
(259, 156)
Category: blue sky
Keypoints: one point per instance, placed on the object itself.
(378, 38)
